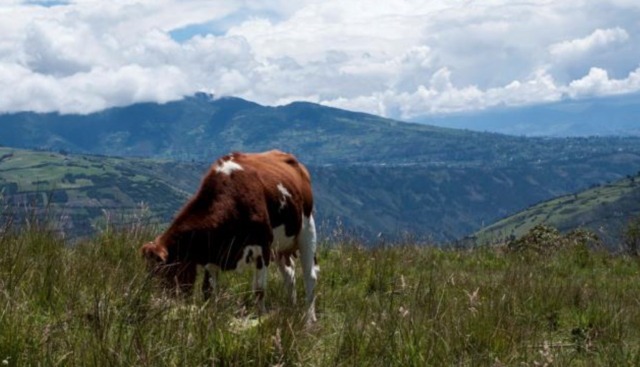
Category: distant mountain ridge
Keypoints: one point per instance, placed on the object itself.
(605, 116)
(202, 128)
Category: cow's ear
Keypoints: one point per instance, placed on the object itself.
(152, 252)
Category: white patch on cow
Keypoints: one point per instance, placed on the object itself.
(308, 243)
(249, 256)
(285, 194)
(280, 240)
(229, 166)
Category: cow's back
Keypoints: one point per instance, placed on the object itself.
(287, 187)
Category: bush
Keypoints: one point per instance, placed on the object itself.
(545, 240)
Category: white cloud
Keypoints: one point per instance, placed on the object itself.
(89, 91)
(401, 58)
(598, 83)
(599, 39)
(441, 97)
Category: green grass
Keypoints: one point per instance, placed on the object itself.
(93, 304)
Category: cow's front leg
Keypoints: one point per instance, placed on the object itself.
(308, 243)
(260, 283)
(288, 271)
(210, 281)
(185, 277)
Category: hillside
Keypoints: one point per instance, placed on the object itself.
(603, 209)
(202, 128)
(442, 203)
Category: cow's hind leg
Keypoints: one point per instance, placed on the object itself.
(260, 282)
(288, 271)
(308, 243)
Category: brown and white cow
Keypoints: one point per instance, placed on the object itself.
(250, 209)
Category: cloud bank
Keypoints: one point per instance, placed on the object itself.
(400, 58)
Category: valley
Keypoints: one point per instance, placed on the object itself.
(435, 203)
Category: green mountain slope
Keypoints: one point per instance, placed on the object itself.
(442, 202)
(603, 209)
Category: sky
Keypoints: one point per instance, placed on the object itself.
(403, 59)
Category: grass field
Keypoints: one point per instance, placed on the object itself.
(93, 304)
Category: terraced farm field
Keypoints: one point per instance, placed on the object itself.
(80, 191)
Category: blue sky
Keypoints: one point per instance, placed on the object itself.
(397, 58)
(219, 27)
(46, 3)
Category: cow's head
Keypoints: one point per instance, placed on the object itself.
(156, 257)
(178, 276)
(154, 254)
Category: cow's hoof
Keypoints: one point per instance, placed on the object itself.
(311, 319)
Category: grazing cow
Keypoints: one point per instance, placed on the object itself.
(250, 209)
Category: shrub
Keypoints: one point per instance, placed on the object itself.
(544, 239)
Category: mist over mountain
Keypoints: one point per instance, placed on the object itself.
(604, 116)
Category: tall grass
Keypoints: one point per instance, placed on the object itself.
(94, 304)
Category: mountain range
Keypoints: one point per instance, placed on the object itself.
(371, 175)
(202, 128)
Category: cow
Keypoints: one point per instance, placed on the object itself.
(250, 209)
